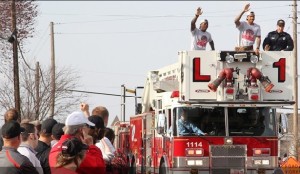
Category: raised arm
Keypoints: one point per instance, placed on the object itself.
(238, 18)
(197, 14)
(85, 109)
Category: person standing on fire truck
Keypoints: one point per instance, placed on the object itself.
(200, 36)
(185, 127)
(278, 40)
(249, 31)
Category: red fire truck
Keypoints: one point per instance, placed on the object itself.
(231, 96)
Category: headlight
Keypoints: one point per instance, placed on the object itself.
(254, 59)
(266, 162)
(257, 162)
(229, 58)
(199, 163)
(190, 162)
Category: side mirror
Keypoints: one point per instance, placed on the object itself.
(283, 127)
(161, 121)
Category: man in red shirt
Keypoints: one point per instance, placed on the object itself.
(77, 125)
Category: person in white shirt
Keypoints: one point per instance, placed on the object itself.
(29, 141)
(249, 31)
(200, 37)
(106, 145)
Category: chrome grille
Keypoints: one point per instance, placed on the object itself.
(226, 157)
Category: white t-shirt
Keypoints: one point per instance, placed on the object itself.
(107, 156)
(248, 33)
(27, 151)
(200, 39)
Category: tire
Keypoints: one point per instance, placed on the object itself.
(132, 167)
(163, 168)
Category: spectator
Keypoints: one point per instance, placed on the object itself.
(249, 31)
(11, 131)
(200, 37)
(106, 145)
(11, 114)
(38, 125)
(278, 40)
(97, 132)
(103, 112)
(185, 127)
(29, 139)
(43, 147)
(99, 111)
(71, 156)
(76, 126)
(285, 157)
(57, 132)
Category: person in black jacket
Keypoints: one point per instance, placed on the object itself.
(43, 148)
(278, 40)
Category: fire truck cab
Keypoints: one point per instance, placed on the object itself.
(230, 96)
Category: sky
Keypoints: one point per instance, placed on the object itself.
(110, 43)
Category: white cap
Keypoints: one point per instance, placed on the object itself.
(203, 20)
(77, 118)
(250, 12)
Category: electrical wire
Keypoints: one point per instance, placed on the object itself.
(38, 45)
(23, 57)
(90, 92)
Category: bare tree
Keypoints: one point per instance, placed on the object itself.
(65, 100)
(26, 13)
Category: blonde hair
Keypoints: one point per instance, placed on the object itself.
(64, 159)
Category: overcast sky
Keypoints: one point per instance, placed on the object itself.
(115, 43)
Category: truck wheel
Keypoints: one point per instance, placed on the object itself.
(163, 168)
(132, 167)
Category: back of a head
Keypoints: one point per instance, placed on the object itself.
(29, 128)
(11, 114)
(110, 134)
(100, 111)
(46, 128)
(71, 150)
(11, 129)
(57, 130)
(98, 121)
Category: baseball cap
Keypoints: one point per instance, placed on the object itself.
(47, 125)
(57, 130)
(250, 13)
(72, 147)
(203, 20)
(11, 129)
(98, 121)
(77, 118)
(280, 22)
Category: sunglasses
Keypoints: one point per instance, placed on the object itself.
(91, 127)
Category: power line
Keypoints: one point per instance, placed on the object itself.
(24, 58)
(90, 92)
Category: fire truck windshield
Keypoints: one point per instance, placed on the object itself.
(211, 121)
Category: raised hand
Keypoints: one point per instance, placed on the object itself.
(246, 8)
(199, 11)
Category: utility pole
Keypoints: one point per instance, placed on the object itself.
(37, 90)
(123, 96)
(15, 58)
(52, 86)
(295, 116)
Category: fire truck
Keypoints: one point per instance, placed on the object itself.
(230, 96)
